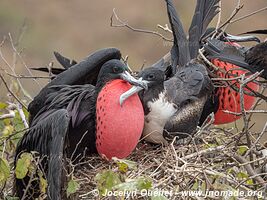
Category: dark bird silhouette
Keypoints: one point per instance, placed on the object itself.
(77, 120)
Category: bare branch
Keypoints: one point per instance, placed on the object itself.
(12, 93)
(125, 24)
(249, 15)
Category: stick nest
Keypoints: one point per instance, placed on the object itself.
(213, 160)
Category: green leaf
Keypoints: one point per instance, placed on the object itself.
(23, 165)
(140, 183)
(3, 105)
(195, 185)
(242, 149)
(26, 113)
(4, 170)
(73, 186)
(8, 130)
(242, 175)
(124, 165)
(106, 180)
(43, 183)
(250, 182)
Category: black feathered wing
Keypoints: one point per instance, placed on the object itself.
(64, 61)
(205, 11)
(66, 120)
(47, 137)
(84, 72)
(180, 50)
(218, 49)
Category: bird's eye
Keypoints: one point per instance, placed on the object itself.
(116, 69)
(151, 76)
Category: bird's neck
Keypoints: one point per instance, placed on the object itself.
(101, 82)
(149, 95)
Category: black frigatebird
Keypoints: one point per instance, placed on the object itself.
(176, 107)
(224, 98)
(253, 59)
(231, 57)
(76, 120)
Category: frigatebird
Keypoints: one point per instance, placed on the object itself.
(196, 106)
(77, 120)
(223, 98)
(237, 60)
(176, 102)
(175, 110)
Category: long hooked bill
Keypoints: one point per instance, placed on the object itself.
(130, 92)
(136, 82)
(233, 38)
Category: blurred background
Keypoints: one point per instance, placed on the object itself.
(77, 28)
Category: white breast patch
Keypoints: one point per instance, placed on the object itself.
(160, 109)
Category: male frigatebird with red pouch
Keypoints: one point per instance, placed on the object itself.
(177, 106)
(235, 60)
(77, 120)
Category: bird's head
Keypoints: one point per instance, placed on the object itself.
(152, 77)
(226, 37)
(115, 69)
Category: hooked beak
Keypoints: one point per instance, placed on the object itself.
(130, 79)
(249, 38)
(130, 92)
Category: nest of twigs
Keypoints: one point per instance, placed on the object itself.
(216, 163)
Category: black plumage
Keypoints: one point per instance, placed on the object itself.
(180, 50)
(190, 87)
(205, 11)
(84, 72)
(253, 59)
(186, 86)
(65, 124)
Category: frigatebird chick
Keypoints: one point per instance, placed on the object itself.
(81, 120)
(157, 107)
(186, 86)
(173, 107)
